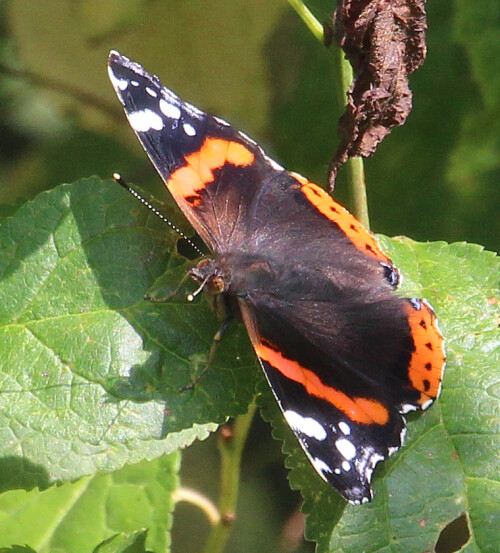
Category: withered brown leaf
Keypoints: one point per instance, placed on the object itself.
(384, 40)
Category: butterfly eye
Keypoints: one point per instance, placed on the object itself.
(217, 285)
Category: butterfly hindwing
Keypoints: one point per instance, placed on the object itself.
(340, 366)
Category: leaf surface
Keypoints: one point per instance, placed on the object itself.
(89, 371)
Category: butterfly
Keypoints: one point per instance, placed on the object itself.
(344, 355)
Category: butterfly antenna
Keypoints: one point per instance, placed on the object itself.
(190, 297)
(118, 178)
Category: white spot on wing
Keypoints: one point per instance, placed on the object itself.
(305, 425)
(169, 110)
(145, 120)
(321, 466)
(346, 448)
(344, 428)
(120, 84)
(427, 404)
(221, 122)
(246, 137)
(151, 92)
(442, 373)
(346, 466)
(134, 83)
(274, 164)
(402, 436)
(189, 129)
(193, 111)
(337, 471)
(407, 408)
(373, 460)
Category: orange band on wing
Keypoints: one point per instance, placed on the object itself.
(359, 410)
(189, 180)
(427, 361)
(350, 226)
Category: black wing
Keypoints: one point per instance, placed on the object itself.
(339, 362)
(213, 171)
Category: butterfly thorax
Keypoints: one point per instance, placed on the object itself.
(229, 277)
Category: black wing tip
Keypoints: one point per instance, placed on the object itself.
(115, 57)
(353, 485)
(355, 498)
(356, 494)
(116, 64)
(122, 69)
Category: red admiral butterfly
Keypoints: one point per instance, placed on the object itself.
(344, 355)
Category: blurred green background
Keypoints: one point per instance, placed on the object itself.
(255, 64)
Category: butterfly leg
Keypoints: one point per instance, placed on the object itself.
(211, 355)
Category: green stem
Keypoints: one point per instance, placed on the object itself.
(231, 449)
(357, 190)
(308, 18)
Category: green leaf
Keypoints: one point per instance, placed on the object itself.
(89, 371)
(104, 513)
(17, 549)
(449, 465)
(120, 543)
